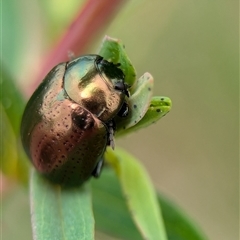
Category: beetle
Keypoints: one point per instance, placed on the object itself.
(69, 120)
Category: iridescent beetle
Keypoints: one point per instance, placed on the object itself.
(68, 121)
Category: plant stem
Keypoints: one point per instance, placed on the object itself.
(92, 18)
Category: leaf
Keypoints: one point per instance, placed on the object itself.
(14, 161)
(110, 212)
(178, 225)
(112, 215)
(109, 206)
(8, 144)
(60, 213)
(138, 103)
(139, 193)
(159, 107)
(12, 28)
(12, 101)
(113, 50)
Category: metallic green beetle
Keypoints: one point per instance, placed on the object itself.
(68, 122)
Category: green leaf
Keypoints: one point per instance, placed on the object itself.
(8, 144)
(112, 215)
(110, 212)
(139, 193)
(12, 101)
(12, 28)
(159, 107)
(178, 225)
(109, 206)
(60, 213)
(113, 50)
(14, 161)
(138, 103)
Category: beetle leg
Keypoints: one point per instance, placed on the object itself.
(98, 169)
(124, 110)
(111, 129)
(111, 138)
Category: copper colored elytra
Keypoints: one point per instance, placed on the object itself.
(69, 120)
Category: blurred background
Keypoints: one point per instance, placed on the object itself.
(191, 49)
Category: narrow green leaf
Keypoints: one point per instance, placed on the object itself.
(178, 225)
(7, 145)
(14, 160)
(109, 206)
(110, 212)
(113, 50)
(158, 108)
(12, 28)
(12, 100)
(139, 193)
(60, 213)
(138, 103)
(112, 215)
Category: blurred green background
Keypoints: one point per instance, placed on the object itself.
(191, 49)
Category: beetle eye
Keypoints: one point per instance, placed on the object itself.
(119, 86)
(122, 87)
